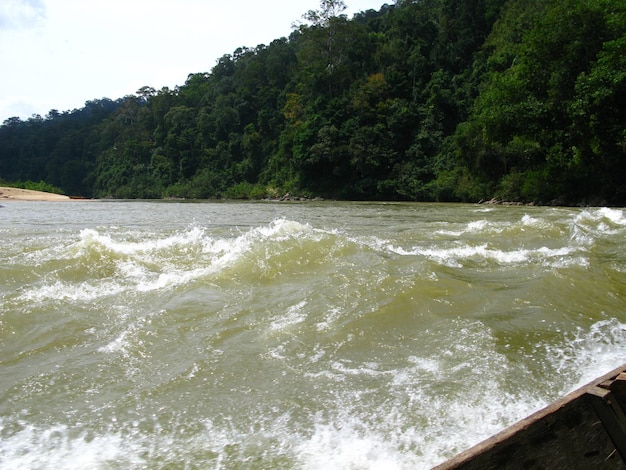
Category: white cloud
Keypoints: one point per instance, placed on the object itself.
(66, 52)
(19, 14)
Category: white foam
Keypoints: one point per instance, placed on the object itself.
(474, 227)
(477, 226)
(117, 345)
(615, 216)
(346, 368)
(92, 238)
(590, 224)
(455, 256)
(281, 228)
(529, 221)
(171, 279)
(345, 447)
(333, 314)
(65, 291)
(292, 316)
(589, 353)
(58, 447)
(162, 263)
(127, 342)
(417, 422)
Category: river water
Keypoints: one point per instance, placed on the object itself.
(151, 335)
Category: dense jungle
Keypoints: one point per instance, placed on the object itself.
(423, 100)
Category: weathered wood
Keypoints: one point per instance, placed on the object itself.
(618, 387)
(611, 415)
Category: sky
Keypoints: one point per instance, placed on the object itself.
(58, 54)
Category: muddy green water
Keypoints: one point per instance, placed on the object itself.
(151, 335)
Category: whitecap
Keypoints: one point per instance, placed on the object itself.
(330, 318)
(172, 279)
(456, 256)
(119, 344)
(292, 316)
(615, 216)
(530, 221)
(63, 291)
(59, 447)
(588, 353)
(477, 226)
(344, 446)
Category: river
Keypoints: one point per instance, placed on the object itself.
(317, 335)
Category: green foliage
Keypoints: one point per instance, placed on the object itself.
(249, 191)
(537, 125)
(433, 100)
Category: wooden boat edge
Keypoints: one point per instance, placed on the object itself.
(597, 388)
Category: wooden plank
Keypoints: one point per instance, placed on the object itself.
(618, 387)
(611, 415)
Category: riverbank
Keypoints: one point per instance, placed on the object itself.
(19, 194)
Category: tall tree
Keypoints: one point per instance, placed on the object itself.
(325, 41)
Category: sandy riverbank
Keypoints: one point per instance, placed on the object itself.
(18, 194)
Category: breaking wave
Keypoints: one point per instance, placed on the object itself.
(310, 339)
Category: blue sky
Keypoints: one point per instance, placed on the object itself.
(57, 54)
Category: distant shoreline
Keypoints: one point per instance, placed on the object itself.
(19, 194)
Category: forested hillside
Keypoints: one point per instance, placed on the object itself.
(427, 100)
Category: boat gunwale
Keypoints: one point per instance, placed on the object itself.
(523, 424)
